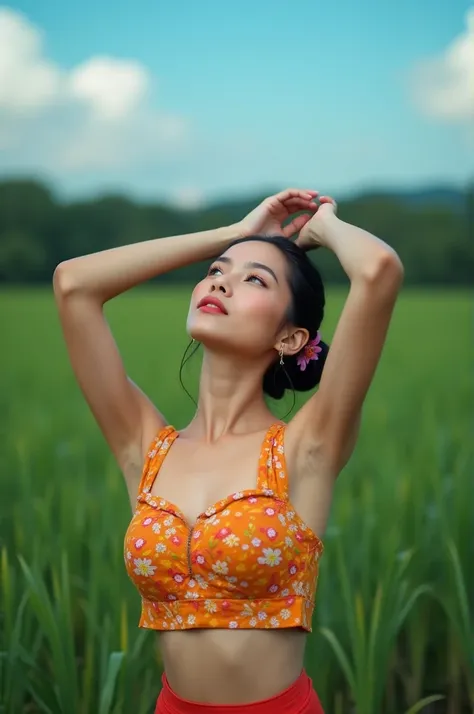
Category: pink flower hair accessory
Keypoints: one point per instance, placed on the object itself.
(309, 352)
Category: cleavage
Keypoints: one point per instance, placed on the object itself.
(194, 477)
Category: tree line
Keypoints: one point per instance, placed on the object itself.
(431, 230)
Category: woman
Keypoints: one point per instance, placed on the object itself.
(230, 580)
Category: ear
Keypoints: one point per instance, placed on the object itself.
(292, 342)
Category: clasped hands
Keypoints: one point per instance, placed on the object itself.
(273, 216)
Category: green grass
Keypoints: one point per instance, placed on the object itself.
(394, 618)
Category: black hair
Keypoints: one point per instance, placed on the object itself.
(306, 310)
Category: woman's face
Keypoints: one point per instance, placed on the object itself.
(241, 304)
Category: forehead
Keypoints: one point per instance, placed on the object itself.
(258, 252)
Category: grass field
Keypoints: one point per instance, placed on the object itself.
(394, 618)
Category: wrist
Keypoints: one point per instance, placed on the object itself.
(228, 234)
(236, 231)
(327, 228)
(214, 242)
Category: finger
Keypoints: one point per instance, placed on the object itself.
(296, 193)
(295, 226)
(299, 204)
(327, 199)
(303, 245)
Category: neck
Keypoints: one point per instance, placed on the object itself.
(231, 398)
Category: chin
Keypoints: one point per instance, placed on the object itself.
(215, 338)
(211, 337)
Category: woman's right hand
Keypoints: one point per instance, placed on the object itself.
(270, 215)
(312, 234)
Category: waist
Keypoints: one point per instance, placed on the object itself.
(183, 614)
(297, 698)
(231, 666)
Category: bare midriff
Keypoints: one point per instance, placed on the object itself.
(231, 667)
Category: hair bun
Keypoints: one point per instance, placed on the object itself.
(279, 378)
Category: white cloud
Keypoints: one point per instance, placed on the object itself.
(27, 79)
(96, 116)
(113, 88)
(443, 86)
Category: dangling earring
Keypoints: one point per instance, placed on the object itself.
(281, 355)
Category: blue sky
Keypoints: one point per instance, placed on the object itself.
(263, 95)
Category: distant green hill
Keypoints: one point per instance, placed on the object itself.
(431, 228)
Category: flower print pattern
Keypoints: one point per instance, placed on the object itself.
(248, 562)
(271, 533)
(270, 557)
(143, 567)
(221, 568)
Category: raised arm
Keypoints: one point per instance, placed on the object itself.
(329, 420)
(82, 285)
(125, 415)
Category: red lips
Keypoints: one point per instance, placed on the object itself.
(213, 304)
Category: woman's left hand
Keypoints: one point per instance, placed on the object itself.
(268, 217)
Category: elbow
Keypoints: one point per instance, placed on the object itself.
(70, 281)
(64, 283)
(387, 271)
(392, 271)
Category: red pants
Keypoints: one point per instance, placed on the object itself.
(299, 698)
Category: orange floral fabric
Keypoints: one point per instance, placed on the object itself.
(249, 561)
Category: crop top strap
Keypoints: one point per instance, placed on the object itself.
(155, 454)
(272, 472)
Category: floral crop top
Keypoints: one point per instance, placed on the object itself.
(249, 561)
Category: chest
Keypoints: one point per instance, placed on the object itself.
(195, 477)
(246, 538)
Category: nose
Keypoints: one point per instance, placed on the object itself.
(221, 284)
